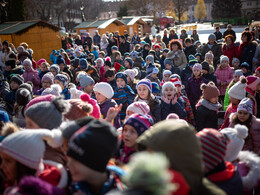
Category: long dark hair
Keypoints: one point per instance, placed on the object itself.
(247, 123)
(150, 99)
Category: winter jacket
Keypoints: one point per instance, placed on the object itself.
(230, 51)
(104, 107)
(216, 50)
(186, 103)
(224, 75)
(230, 32)
(113, 84)
(206, 115)
(165, 39)
(193, 89)
(177, 108)
(18, 70)
(135, 40)
(195, 37)
(148, 40)
(230, 109)
(92, 71)
(10, 97)
(66, 93)
(124, 96)
(179, 59)
(4, 56)
(138, 62)
(33, 76)
(248, 55)
(226, 98)
(185, 75)
(154, 80)
(53, 58)
(173, 36)
(39, 92)
(183, 37)
(96, 39)
(252, 142)
(123, 48)
(218, 35)
(190, 51)
(101, 73)
(145, 53)
(256, 58)
(4, 89)
(252, 95)
(210, 77)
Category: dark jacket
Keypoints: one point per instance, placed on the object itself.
(248, 54)
(175, 36)
(185, 75)
(10, 98)
(144, 53)
(165, 40)
(113, 84)
(190, 51)
(18, 70)
(206, 118)
(148, 40)
(42, 73)
(123, 48)
(104, 107)
(211, 77)
(216, 50)
(96, 39)
(218, 35)
(177, 108)
(229, 32)
(92, 71)
(4, 88)
(155, 110)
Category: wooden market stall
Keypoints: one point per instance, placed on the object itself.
(42, 37)
(103, 26)
(134, 24)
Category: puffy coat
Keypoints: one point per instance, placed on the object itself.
(248, 54)
(179, 59)
(33, 76)
(224, 75)
(177, 108)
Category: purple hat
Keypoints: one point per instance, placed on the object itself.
(145, 82)
(197, 66)
(48, 77)
(140, 122)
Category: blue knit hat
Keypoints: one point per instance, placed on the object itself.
(4, 116)
(121, 75)
(145, 82)
(192, 60)
(83, 63)
(139, 122)
(60, 60)
(168, 61)
(149, 57)
(155, 88)
(166, 50)
(114, 48)
(245, 65)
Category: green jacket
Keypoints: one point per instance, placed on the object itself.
(226, 99)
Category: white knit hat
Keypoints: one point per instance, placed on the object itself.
(245, 105)
(223, 57)
(237, 136)
(28, 147)
(238, 91)
(27, 62)
(168, 84)
(139, 108)
(105, 89)
(166, 72)
(131, 73)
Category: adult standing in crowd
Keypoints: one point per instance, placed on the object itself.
(230, 49)
(229, 31)
(96, 38)
(218, 34)
(124, 45)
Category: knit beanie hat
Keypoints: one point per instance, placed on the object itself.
(139, 122)
(85, 80)
(108, 63)
(209, 54)
(101, 60)
(56, 68)
(63, 79)
(166, 72)
(223, 57)
(245, 105)
(192, 60)
(83, 63)
(176, 82)
(27, 62)
(212, 36)
(257, 70)
(132, 73)
(118, 67)
(134, 54)
(168, 84)
(198, 53)
(214, 146)
(252, 82)
(54, 90)
(205, 65)
(238, 72)
(150, 57)
(114, 48)
(28, 147)
(168, 61)
(145, 82)
(11, 63)
(235, 60)
(17, 79)
(122, 75)
(166, 50)
(105, 89)
(39, 63)
(175, 76)
(4, 117)
(197, 66)
(60, 60)
(23, 96)
(155, 88)
(46, 98)
(150, 69)
(130, 61)
(75, 62)
(139, 108)
(209, 90)
(48, 115)
(245, 65)
(93, 145)
(238, 91)
(237, 136)
(49, 77)
(96, 110)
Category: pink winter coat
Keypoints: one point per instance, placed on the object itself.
(33, 76)
(252, 142)
(101, 73)
(224, 75)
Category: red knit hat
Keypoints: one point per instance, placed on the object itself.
(258, 69)
(176, 81)
(252, 82)
(118, 67)
(157, 46)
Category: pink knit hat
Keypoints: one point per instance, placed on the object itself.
(96, 110)
(252, 82)
(41, 61)
(139, 108)
(197, 66)
(45, 98)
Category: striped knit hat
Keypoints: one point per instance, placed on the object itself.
(145, 82)
(140, 122)
(213, 145)
(139, 107)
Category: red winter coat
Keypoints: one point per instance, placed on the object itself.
(230, 52)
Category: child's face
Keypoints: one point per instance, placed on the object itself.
(196, 72)
(128, 113)
(8, 166)
(43, 68)
(129, 136)
(143, 92)
(118, 57)
(154, 75)
(148, 61)
(99, 63)
(26, 67)
(169, 92)
(166, 77)
(89, 89)
(60, 83)
(236, 64)
(236, 78)
(62, 66)
(198, 58)
(46, 84)
(168, 67)
(14, 85)
(224, 63)
(244, 70)
(209, 59)
(164, 54)
(234, 100)
(100, 98)
(214, 100)
(178, 87)
(53, 71)
(109, 79)
(126, 63)
(120, 83)
(204, 71)
(243, 115)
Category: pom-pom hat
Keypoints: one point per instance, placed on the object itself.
(139, 108)
(238, 91)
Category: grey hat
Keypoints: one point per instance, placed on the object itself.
(134, 54)
(235, 60)
(168, 61)
(212, 36)
(238, 72)
(48, 115)
(85, 80)
(149, 57)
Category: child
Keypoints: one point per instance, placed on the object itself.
(63, 66)
(44, 68)
(63, 81)
(110, 77)
(166, 76)
(128, 63)
(123, 93)
(54, 69)
(144, 94)
(137, 60)
(209, 56)
(86, 84)
(131, 74)
(107, 64)
(163, 57)
(151, 73)
(117, 58)
(15, 82)
(100, 68)
(235, 64)
(245, 69)
(157, 49)
(253, 85)
(133, 127)
(193, 89)
(187, 72)
(89, 69)
(224, 75)
(169, 102)
(31, 75)
(205, 71)
(137, 108)
(47, 81)
(168, 64)
(237, 74)
(198, 57)
(12, 68)
(236, 93)
(207, 107)
(104, 94)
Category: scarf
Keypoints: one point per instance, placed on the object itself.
(210, 105)
(241, 48)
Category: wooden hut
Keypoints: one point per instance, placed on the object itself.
(103, 26)
(42, 37)
(134, 24)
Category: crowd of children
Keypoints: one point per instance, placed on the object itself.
(96, 119)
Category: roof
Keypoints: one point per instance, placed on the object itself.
(132, 20)
(101, 24)
(21, 26)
